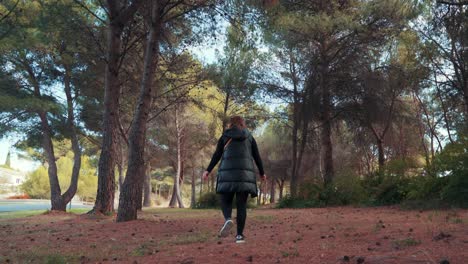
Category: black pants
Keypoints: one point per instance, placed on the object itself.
(241, 204)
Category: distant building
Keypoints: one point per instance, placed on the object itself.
(10, 180)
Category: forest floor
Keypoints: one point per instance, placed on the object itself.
(324, 235)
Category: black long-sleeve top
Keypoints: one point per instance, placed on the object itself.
(219, 153)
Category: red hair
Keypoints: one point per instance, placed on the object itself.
(237, 121)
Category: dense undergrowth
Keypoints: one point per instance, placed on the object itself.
(444, 183)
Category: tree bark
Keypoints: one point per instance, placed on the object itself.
(58, 201)
(272, 191)
(225, 109)
(192, 198)
(329, 172)
(147, 187)
(176, 196)
(106, 182)
(130, 196)
(71, 191)
(295, 128)
(281, 188)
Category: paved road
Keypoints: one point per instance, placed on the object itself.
(23, 205)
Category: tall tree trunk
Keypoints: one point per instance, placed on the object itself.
(294, 143)
(281, 188)
(296, 123)
(180, 159)
(173, 201)
(329, 172)
(192, 198)
(130, 196)
(381, 154)
(120, 165)
(272, 191)
(176, 196)
(118, 17)
(106, 182)
(201, 183)
(147, 186)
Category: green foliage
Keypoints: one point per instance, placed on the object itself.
(208, 200)
(212, 200)
(37, 183)
(445, 186)
(386, 189)
(296, 202)
(453, 161)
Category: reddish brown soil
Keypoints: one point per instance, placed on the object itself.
(376, 235)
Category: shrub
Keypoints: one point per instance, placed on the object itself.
(386, 189)
(347, 189)
(426, 188)
(208, 200)
(452, 165)
(212, 200)
(296, 202)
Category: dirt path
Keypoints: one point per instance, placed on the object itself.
(329, 235)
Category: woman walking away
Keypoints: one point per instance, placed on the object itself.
(237, 150)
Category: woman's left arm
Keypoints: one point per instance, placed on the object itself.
(257, 158)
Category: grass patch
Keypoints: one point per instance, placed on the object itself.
(141, 250)
(188, 239)
(20, 214)
(28, 213)
(293, 253)
(55, 259)
(41, 256)
(425, 205)
(407, 242)
(178, 213)
(264, 218)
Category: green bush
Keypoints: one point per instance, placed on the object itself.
(208, 200)
(297, 202)
(426, 188)
(37, 182)
(212, 200)
(347, 189)
(386, 189)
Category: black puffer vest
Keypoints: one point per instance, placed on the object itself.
(236, 172)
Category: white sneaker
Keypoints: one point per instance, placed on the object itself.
(240, 239)
(224, 232)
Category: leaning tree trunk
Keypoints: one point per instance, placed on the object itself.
(71, 191)
(130, 196)
(59, 201)
(55, 192)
